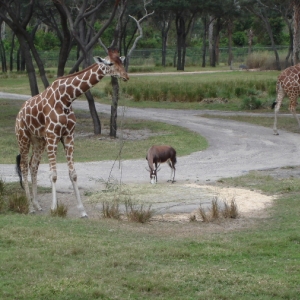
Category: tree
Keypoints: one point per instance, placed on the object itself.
(116, 43)
(263, 9)
(163, 18)
(17, 15)
(81, 25)
(2, 50)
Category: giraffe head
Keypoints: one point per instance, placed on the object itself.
(115, 64)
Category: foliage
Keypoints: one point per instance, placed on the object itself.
(217, 211)
(60, 211)
(239, 38)
(46, 41)
(137, 213)
(104, 259)
(251, 103)
(18, 203)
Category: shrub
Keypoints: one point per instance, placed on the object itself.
(18, 203)
(229, 210)
(111, 210)
(60, 211)
(137, 214)
(251, 103)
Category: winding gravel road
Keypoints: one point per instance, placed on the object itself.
(235, 148)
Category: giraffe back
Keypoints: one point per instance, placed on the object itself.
(289, 80)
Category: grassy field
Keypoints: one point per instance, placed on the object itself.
(90, 147)
(55, 258)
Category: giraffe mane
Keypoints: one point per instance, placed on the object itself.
(77, 73)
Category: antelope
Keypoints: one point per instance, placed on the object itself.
(160, 154)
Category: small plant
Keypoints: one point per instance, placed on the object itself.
(60, 211)
(2, 187)
(2, 200)
(251, 103)
(18, 203)
(203, 215)
(229, 210)
(215, 209)
(137, 214)
(111, 211)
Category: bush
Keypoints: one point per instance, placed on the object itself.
(251, 103)
(18, 203)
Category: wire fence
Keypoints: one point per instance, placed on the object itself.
(153, 57)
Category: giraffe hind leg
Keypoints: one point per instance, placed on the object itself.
(23, 166)
(38, 149)
(276, 105)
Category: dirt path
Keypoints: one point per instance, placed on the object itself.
(235, 148)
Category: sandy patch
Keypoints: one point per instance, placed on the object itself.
(246, 200)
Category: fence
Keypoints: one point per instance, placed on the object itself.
(153, 57)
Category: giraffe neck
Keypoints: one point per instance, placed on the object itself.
(70, 87)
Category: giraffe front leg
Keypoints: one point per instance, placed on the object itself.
(52, 142)
(69, 148)
(293, 106)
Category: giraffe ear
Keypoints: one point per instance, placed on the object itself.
(122, 59)
(99, 60)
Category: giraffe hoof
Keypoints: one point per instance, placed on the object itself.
(31, 211)
(276, 133)
(84, 216)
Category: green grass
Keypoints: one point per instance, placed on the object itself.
(54, 258)
(287, 123)
(89, 147)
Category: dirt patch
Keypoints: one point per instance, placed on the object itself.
(170, 202)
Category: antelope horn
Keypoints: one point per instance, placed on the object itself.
(158, 168)
(147, 169)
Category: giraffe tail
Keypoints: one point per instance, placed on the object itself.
(273, 104)
(18, 169)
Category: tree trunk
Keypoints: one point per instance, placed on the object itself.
(230, 54)
(114, 107)
(93, 112)
(296, 19)
(3, 56)
(163, 47)
(212, 58)
(269, 30)
(204, 20)
(180, 29)
(65, 42)
(11, 53)
(29, 65)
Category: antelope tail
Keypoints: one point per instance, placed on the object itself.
(18, 169)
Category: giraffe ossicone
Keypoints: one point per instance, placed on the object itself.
(288, 84)
(47, 119)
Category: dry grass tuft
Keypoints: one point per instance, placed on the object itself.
(137, 214)
(18, 203)
(228, 210)
(111, 211)
(60, 211)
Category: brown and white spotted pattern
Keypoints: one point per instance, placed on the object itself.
(288, 84)
(48, 118)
